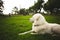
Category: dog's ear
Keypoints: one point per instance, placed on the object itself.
(38, 18)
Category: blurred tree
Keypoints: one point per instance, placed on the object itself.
(53, 6)
(27, 11)
(15, 10)
(23, 11)
(1, 7)
(37, 6)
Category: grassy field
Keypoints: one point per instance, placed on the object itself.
(10, 27)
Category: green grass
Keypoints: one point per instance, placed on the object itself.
(10, 27)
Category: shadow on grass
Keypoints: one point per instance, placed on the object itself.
(15, 36)
(39, 37)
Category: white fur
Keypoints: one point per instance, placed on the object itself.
(41, 26)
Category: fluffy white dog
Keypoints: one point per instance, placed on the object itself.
(41, 26)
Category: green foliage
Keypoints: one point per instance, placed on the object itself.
(53, 6)
(1, 3)
(23, 11)
(1, 7)
(37, 6)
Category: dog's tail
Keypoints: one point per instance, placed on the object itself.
(25, 32)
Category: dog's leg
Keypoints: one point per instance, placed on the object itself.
(25, 32)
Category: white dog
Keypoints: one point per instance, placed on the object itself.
(41, 26)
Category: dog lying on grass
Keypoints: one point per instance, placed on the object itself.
(41, 26)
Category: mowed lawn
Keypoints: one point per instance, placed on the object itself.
(11, 26)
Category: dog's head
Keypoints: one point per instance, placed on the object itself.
(35, 17)
(38, 19)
